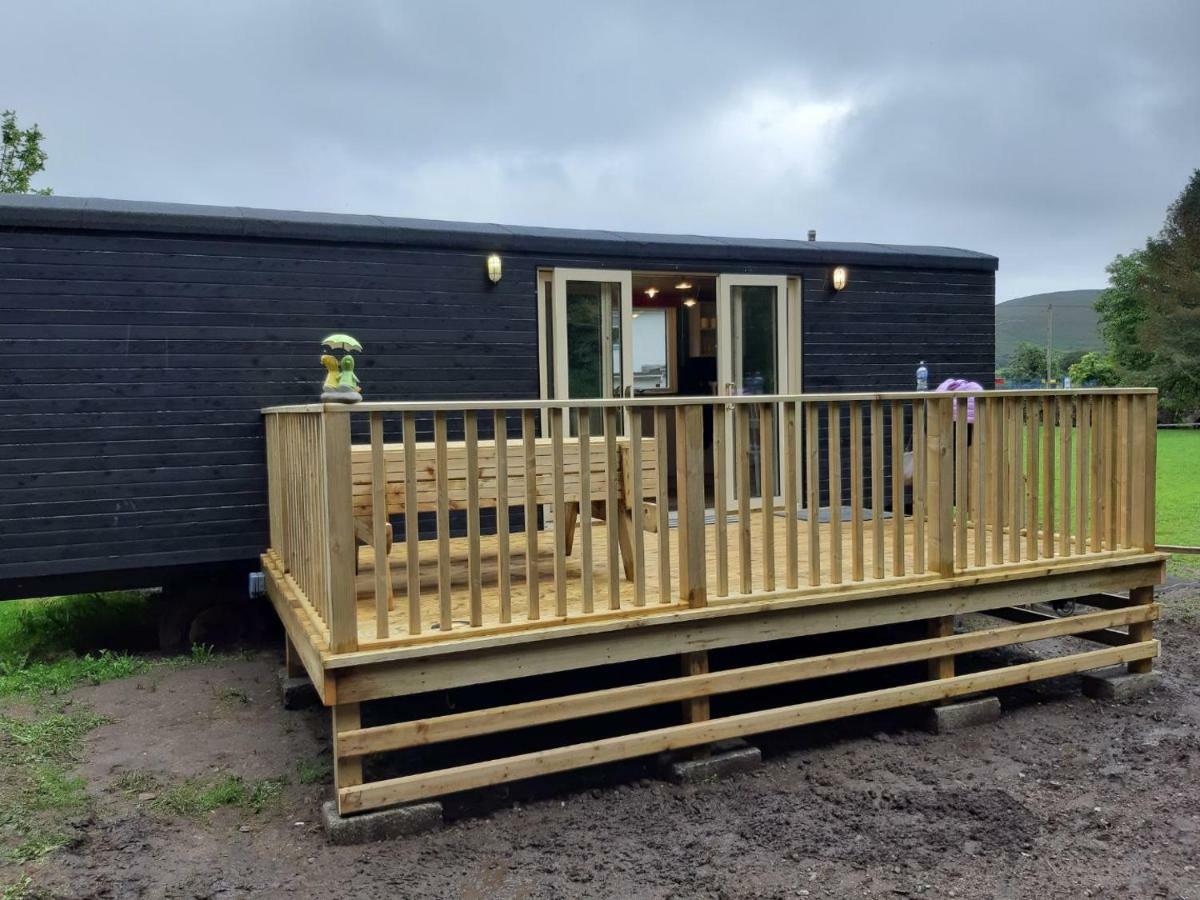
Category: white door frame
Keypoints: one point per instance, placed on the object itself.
(725, 348)
(624, 278)
(786, 333)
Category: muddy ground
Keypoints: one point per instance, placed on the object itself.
(1063, 797)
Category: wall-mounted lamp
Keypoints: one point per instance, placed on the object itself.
(840, 277)
(494, 268)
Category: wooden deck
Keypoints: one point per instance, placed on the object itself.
(1036, 497)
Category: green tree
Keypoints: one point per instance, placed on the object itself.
(1122, 310)
(1094, 369)
(1171, 331)
(1026, 364)
(1065, 359)
(1150, 314)
(21, 156)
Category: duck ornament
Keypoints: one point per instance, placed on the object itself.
(341, 385)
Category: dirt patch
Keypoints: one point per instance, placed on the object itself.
(1065, 796)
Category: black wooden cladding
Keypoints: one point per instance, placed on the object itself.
(135, 360)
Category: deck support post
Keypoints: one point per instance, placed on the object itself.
(1141, 631)
(693, 567)
(942, 666)
(291, 660)
(339, 511)
(347, 770)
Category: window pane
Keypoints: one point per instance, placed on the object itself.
(757, 342)
(585, 362)
(650, 358)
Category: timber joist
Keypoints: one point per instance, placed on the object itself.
(351, 744)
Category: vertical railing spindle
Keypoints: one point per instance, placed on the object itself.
(474, 563)
(379, 519)
(857, 537)
(533, 573)
(503, 559)
(766, 453)
(412, 530)
(442, 465)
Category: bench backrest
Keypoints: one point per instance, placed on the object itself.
(485, 473)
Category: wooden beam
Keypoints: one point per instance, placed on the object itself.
(562, 648)
(701, 683)
(514, 768)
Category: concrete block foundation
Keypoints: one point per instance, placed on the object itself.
(1118, 685)
(954, 716)
(380, 824)
(724, 758)
(297, 693)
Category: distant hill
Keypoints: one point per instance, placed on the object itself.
(1076, 326)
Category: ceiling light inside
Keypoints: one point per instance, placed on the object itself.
(651, 292)
(689, 301)
(684, 285)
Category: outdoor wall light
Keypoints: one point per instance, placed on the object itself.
(840, 277)
(494, 268)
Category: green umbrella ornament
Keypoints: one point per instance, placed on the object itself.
(341, 384)
(342, 342)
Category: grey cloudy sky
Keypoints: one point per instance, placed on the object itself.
(1052, 134)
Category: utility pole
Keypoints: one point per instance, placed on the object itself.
(1049, 342)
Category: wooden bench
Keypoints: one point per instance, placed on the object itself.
(485, 476)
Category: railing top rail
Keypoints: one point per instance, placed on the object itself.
(624, 402)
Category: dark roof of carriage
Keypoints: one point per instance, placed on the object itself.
(134, 216)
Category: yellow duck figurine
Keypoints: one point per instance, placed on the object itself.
(332, 372)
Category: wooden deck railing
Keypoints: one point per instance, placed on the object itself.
(524, 513)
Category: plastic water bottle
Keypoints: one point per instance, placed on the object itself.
(922, 377)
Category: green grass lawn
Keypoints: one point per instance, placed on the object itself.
(1177, 500)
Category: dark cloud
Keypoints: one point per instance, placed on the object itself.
(1051, 134)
